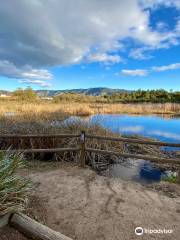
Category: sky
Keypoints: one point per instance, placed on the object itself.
(67, 44)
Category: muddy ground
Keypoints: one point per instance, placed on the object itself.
(85, 206)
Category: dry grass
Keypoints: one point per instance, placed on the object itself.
(11, 126)
(141, 108)
(50, 110)
(46, 117)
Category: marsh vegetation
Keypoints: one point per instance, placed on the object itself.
(37, 116)
(27, 103)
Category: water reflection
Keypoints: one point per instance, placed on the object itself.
(152, 126)
(136, 170)
(157, 127)
(149, 173)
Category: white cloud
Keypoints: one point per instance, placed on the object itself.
(48, 33)
(41, 83)
(41, 34)
(166, 134)
(104, 58)
(8, 69)
(133, 129)
(26, 73)
(157, 3)
(135, 72)
(172, 66)
(145, 72)
(140, 53)
(168, 39)
(161, 25)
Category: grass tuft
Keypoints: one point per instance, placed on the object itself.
(13, 188)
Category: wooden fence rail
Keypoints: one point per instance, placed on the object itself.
(16, 136)
(136, 156)
(83, 149)
(130, 140)
(46, 150)
(36, 230)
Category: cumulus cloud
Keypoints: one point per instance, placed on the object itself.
(42, 34)
(40, 83)
(135, 72)
(168, 39)
(172, 66)
(140, 53)
(27, 74)
(47, 33)
(8, 69)
(145, 72)
(104, 58)
(157, 3)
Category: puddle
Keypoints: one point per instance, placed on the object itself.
(136, 170)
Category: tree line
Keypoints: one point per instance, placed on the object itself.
(152, 96)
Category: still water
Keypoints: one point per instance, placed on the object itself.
(163, 128)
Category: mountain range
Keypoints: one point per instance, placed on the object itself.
(88, 91)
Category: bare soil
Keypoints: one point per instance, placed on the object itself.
(85, 206)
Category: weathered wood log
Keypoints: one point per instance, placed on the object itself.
(16, 136)
(136, 156)
(33, 229)
(131, 140)
(47, 150)
(121, 139)
(4, 220)
(178, 176)
(82, 150)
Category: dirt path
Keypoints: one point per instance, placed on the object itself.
(85, 206)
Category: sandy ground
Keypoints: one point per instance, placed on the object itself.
(85, 206)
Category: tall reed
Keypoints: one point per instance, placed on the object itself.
(51, 110)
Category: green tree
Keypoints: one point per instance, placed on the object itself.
(25, 94)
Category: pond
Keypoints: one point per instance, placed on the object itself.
(161, 127)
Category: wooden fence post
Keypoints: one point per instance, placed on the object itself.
(178, 176)
(83, 149)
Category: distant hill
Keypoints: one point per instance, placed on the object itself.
(4, 92)
(89, 91)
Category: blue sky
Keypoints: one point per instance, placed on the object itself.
(57, 44)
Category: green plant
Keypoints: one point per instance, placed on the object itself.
(171, 178)
(25, 94)
(13, 188)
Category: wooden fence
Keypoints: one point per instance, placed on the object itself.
(83, 149)
(38, 231)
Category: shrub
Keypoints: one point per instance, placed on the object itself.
(13, 188)
(25, 95)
